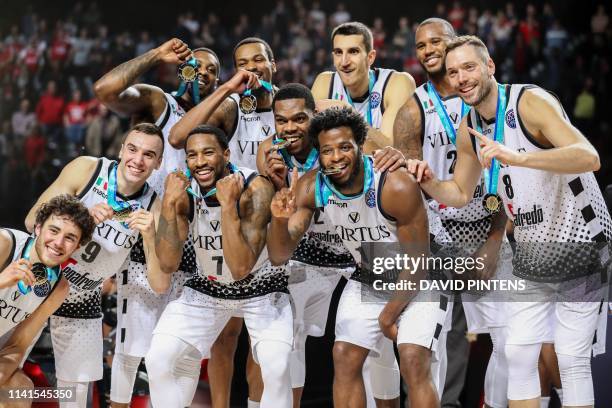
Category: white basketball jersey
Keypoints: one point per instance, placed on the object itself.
(250, 130)
(104, 255)
(545, 207)
(469, 224)
(321, 245)
(15, 306)
(173, 158)
(214, 276)
(375, 100)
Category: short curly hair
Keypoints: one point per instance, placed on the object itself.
(338, 117)
(69, 206)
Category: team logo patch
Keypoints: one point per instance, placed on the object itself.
(354, 217)
(370, 198)
(374, 100)
(43, 289)
(510, 119)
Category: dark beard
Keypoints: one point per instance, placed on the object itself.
(351, 180)
(486, 91)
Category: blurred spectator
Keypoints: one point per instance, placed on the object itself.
(485, 24)
(341, 15)
(456, 15)
(403, 40)
(79, 52)
(49, 112)
(599, 21)
(530, 29)
(556, 38)
(379, 34)
(104, 133)
(584, 109)
(317, 16)
(74, 119)
(92, 16)
(440, 11)
(23, 120)
(145, 44)
(32, 55)
(34, 149)
(60, 47)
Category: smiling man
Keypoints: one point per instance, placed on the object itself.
(376, 93)
(226, 209)
(540, 171)
(120, 201)
(364, 206)
(32, 285)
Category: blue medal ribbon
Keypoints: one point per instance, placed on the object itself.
(491, 176)
(372, 81)
(264, 84)
(443, 114)
(324, 187)
(111, 193)
(52, 273)
(233, 169)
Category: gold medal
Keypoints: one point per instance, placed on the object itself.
(492, 203)
(39, 270)
(122, 215)
(248, 104)
(281, 145)
(331, 170)
(187, 72)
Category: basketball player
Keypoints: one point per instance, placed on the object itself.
(376, 93)
(364, 206)
(242, 108)
(61, 226)
(425, 127)
(227, 213)
(120, 200)
(320, 259)
(143, 102)
(538, 162)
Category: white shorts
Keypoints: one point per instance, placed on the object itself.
(311, 289)
(198, 319)
(571, 326)
(138, 310)
(77, 347)
(357, 320)
(424, 320)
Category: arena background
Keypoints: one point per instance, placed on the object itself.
(563, 46)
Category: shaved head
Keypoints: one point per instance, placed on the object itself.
(446, 26)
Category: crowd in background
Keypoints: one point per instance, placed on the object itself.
(48, 113)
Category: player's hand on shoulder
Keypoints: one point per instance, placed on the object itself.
(175, 185)
(388, 158)
(420, 170)
(324, 104)
(16, 271)
(174, 51)
(101, 212)
(143, 221)
(276, 169)
(229, 189)
(284, 203)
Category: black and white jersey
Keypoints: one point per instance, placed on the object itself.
(104, 255)
(546, 207)
(374, 100)
(468, 225)
(15, 307)
(214, 276)
(249, 131)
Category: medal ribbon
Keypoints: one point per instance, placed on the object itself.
(491, 175)
(265, 85)
(233, 169)
(51, 272)
(312, 158)
(325, 189)
(443, 114)
(195, 86)
(111, 197)
(372, 81)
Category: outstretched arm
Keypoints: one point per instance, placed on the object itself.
(217, 109)
(115, 89)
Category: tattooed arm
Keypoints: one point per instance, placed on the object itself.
(217, 109)
(116, 89)
(408, 130)
(173, 225)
